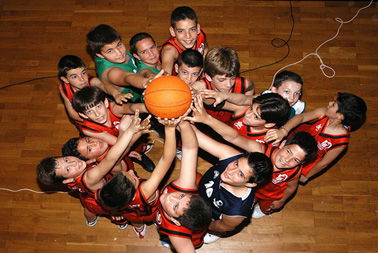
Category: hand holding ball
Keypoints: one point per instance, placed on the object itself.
(167, 97)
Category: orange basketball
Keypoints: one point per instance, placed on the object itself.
(167, 97)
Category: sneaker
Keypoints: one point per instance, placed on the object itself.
(165, 244)
(140, 231)
(179, 154)
(92, 223)
(209, 238)
(148, 148)
(122, 226)
(257, 213)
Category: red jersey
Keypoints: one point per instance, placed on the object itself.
(199, 46)
(94, 127)
(140, 209)
(281, 177)
(69, 91)
(325, 142)
(236, 122)
(167, 227)
(222, 115)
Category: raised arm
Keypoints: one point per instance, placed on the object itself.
(121, 77)
(188, 170)
(169, 55)
(276, 135)
(70, 110)
(228, 133)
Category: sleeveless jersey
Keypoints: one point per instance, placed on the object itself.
(325, 142)
(275, 188)
(199, 46)
(236, 122)
(69, 91)
(220, 199)
(222, 115)
(167, 227)
(94, 127)
(103, 64)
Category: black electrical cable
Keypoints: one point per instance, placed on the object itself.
(276, 43)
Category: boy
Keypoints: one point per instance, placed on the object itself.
(114, 64)
(289, 85)
(101, 118)
(183, 215)
(189, 66)
(221, 70)
(286, 159)
(185, 33)
(330, 126)
(72, 72)
(266, 112)
(75, 172)
(144, 49)
(136, 199)
(229, 186)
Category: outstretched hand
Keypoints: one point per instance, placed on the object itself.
(161, 73)
(275, 136)
(199, 113)
(174, 121)
(122, 98)
(217, 95)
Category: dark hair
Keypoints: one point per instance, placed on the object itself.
(117, 192)
(353, 108)
(262, 168)
(197, 215)
(87, 97)
(70, 149)
(222, 61)
(46, 171)
(286, 76)
(136, 38)
(273, 107)
(99, 36)
(69, 62)
(190, 57)
(306, 142)
(182, 13)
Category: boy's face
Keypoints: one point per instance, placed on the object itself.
(289, 90)
(175, 203)
(69, 167)
(114, 52)
(77, 78)
(238, 173)
(289, 156)
(147, 51)
(186, 32)
(98, 113)
(332, 110)
(222, 83)
(91, 148)
(253, 116)
(188, 74)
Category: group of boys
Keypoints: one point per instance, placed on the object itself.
(189, 211)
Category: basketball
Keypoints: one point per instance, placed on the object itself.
(167, 97)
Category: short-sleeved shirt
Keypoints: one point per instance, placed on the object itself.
(103, 64)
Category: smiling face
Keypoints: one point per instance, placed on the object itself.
(91, 148)
(78, 78)
(186, 32)
(147, 52)
(69, 167)
(114, 52)
(289, 90)
(237, 173)
(175, 203)
(289, 156)
(188, 74)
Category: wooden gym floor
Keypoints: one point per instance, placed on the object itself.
(337, 212)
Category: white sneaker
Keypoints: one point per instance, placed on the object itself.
(122, 226)
(179, 154)
(257, 213)
(209, 238)
(165, 244)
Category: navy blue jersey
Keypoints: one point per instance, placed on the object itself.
(220, 199)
